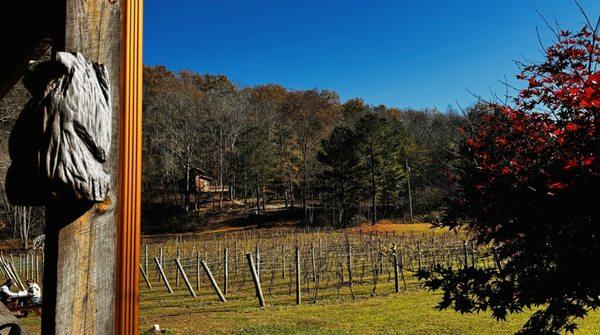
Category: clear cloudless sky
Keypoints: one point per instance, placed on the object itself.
(399, 53)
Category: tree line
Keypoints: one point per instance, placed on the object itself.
(339, 162)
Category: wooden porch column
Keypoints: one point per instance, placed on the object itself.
(93, 289)
(130, 170)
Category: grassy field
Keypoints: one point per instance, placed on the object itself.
(404, 313)
(334, 312)
(409, 313)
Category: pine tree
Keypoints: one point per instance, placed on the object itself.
(342, 172)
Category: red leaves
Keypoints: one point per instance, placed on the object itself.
(533, 82)
(501, 141)
(474, 143)
(573, 163)
(589, 160)
(557, 186)
(571, 127)
(519, 148)
(591, 94)
(570, 164)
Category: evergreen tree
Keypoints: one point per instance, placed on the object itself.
(382, 151)
(342, 172)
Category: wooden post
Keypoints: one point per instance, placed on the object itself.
(283, 265)
(258, 261)
(198, 270)
(145, 277)
(235, 258)
(162, 274)
(130, 168)
(17, 277)
(146, 258)
(225, 272)
(37, 269)
(185, 278)
(91, 274)
(161, 259)
(259, 294)
(80, 241)
(349, 263)
(419, 256)
(213, 282)
(410, 204)
(177, 272)
(396, 279)
(298, 285)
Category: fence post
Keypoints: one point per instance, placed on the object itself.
(213, 282)
(349, 263)
(198, 270)
(257, 251)
(235, 259)
(145, 277)
(146, 258)
(161, 260)
(259, 294)
(419, 257)
(37, 269)
(225, 271)
(177, 272)
(185, 278)
(396, 282)
(298, 285)
(162, 275)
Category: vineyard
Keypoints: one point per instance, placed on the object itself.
(258, 268)
(218, 279)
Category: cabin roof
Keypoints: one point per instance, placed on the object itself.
(202, 174)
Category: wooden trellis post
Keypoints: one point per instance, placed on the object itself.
(298, 284)
(259, 294)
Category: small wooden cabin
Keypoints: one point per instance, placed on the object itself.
(203, 183)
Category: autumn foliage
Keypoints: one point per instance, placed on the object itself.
(528, 184)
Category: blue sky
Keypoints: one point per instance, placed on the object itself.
(399, 53)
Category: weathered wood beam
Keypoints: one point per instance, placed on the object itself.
(81, 237)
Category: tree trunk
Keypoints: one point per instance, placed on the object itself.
(221, 149)
(187, 185)
(373, 199)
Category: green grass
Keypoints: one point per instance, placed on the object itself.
(407, 313)
(404, 313)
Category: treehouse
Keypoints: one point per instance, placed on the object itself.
(85, 100)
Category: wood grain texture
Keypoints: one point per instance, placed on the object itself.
(82, 237)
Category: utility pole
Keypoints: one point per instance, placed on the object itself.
(412, 219)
